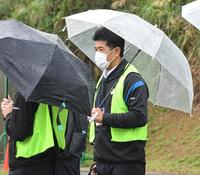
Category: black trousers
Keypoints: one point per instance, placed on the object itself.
(43, 168)
(67, 166)
(59, 166)
(120, 168)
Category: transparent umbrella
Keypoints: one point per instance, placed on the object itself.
(161, 62)
(191, 12)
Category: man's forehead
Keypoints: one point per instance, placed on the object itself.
(100, 43)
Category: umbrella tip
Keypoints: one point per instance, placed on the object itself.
(64, 28)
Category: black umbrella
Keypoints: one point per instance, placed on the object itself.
(43, 69)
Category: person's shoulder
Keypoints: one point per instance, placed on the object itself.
(136, 80)
(133, 77)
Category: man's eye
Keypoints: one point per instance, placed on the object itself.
(102, 50)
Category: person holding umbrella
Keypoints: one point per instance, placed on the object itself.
(21, 124)
(119, 130)
(157, 58)
(44, 138)
(41, 150)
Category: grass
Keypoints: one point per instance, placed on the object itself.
(3, 173)
(173, 144)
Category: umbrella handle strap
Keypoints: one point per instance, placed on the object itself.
(61, 107)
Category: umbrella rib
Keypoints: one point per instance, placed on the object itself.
(161, 38)
(161, 62)
(158, 85)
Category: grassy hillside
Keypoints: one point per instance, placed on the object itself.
(174, 142)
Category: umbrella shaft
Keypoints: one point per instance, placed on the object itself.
(102, 102)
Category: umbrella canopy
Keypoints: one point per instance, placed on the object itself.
(191, 12)
(43, 68)
(161, 63)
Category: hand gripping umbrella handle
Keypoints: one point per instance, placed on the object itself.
(93, 117)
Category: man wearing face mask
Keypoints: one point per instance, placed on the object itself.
(119, 130)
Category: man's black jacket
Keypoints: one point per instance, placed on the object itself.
(136, 101)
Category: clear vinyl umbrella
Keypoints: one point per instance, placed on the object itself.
(191, 12)
(161, 62)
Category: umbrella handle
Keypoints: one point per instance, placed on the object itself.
(6, 87)
(4, 131)
(91, 119)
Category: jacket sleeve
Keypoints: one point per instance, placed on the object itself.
(19, 123)
(135, 97)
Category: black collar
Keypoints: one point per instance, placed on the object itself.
(117, 72)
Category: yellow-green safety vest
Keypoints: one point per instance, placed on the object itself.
(118, 105)
(42, 137)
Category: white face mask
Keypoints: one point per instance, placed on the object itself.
(101, 60)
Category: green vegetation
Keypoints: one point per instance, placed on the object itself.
(3, 173)
(173, 144)
(47, 15)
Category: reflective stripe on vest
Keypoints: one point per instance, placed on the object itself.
(42, 137)
(118, 105)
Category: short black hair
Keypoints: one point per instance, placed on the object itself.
(112, 39)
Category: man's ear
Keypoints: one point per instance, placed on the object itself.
(118, 51)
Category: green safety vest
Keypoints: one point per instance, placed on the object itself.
(118, 105)
(42, 137)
